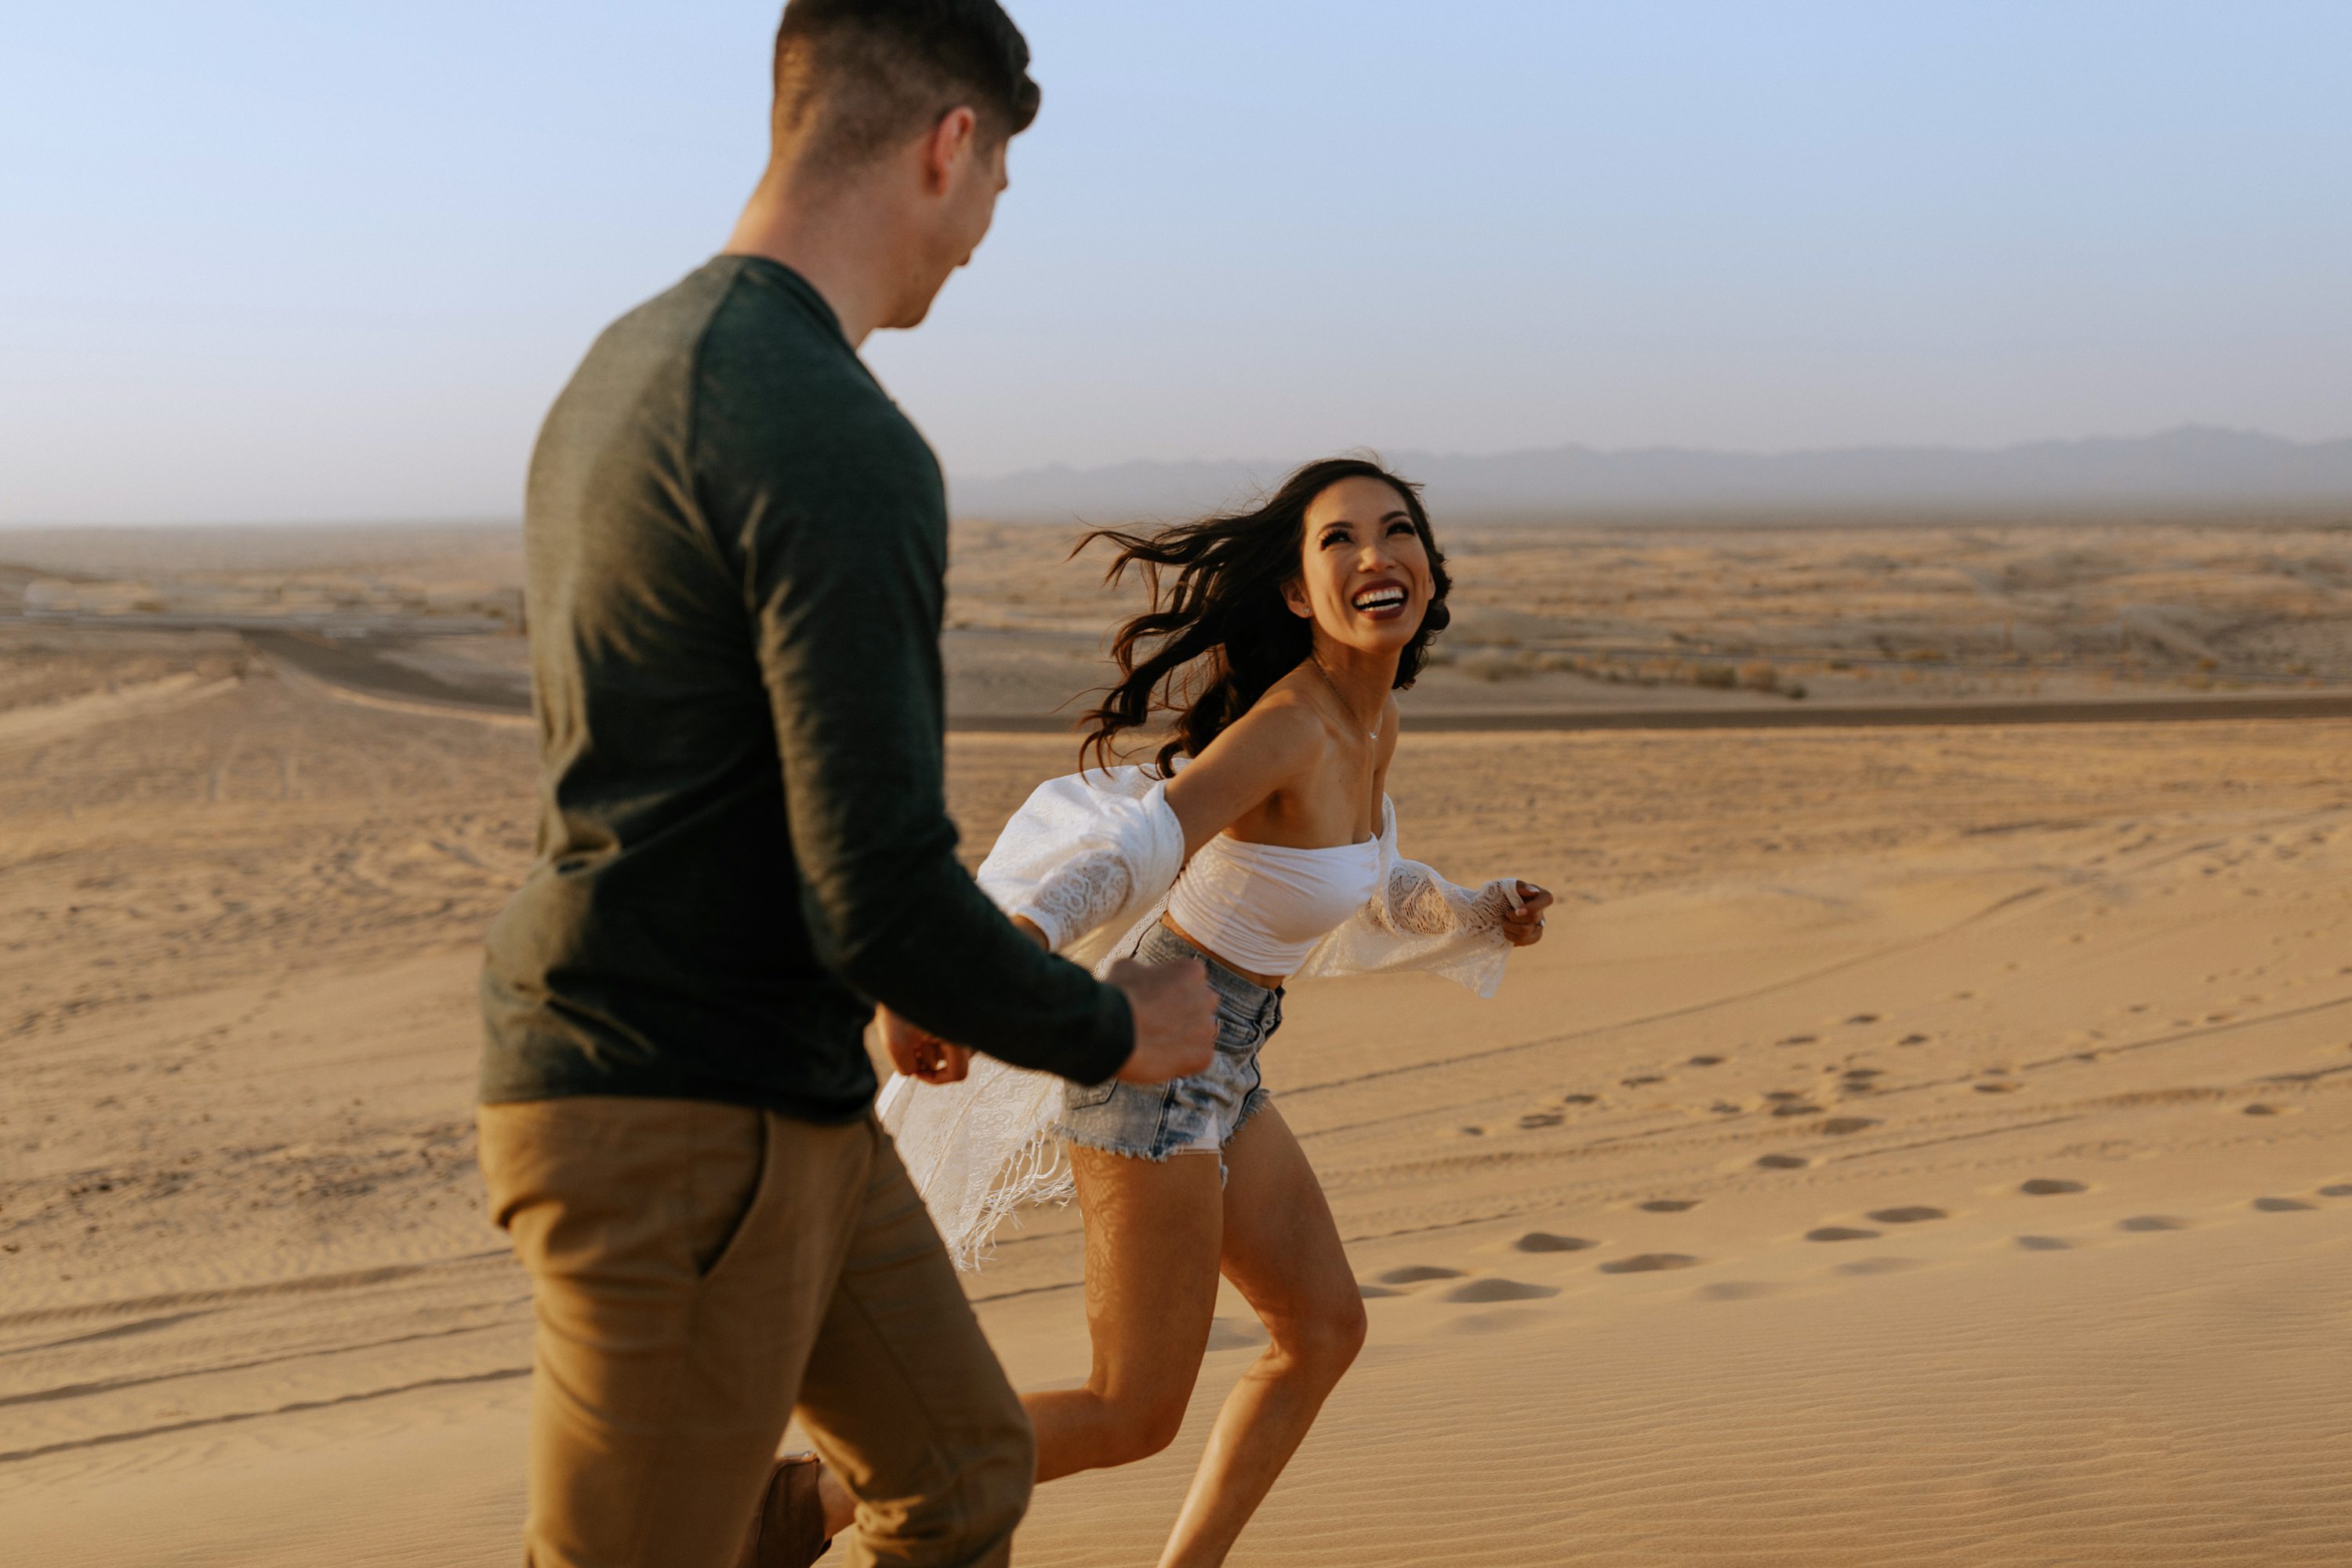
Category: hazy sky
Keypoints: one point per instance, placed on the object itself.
(279, 261)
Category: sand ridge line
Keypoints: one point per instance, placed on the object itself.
(362, 674)
(120, 1332)
(107, 1439)
(18, 726)
(1843, 1156)
(2203, 1031)
(116, 1384)
(307, 1284)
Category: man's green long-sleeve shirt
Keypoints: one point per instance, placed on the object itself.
(738, 555)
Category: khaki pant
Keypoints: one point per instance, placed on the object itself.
(700, 1271)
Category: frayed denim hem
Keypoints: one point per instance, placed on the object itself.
(1127, 1151)
(1259, 1098)
(1224, 1172)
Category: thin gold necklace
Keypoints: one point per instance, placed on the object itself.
(1342, 696)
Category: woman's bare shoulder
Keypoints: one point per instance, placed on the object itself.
(1283, 722)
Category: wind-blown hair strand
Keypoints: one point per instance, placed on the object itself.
(1221, 634)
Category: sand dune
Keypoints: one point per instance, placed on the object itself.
(1914, 1146)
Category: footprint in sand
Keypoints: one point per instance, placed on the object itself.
(1910, 1214)
(1545, 1241)
(1840, 1232)
(1641, 1080)
(2340, 1190)
(1913, 1040)
(1581, 1098)
(1736, 1289)
(1416, 1273)
(2049, 1186)
(1879, 1266)
(1796, 1039)
(1999, 1087)
(1841, 1125)
(1782, 1161)
(1649, 1263)
(1705, 1061)
(2146, 1222)
(2283, 1205)
(1863, 1018)
(1796, 1108)
(2044, 1244)
(1669, 1206)
(1501, 1290)
(1541, 1119)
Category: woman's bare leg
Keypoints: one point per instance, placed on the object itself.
(1281, 1251)
(1153, 1231)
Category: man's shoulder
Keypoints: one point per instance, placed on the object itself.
(667, 327)
(779, 388)
(739, 315)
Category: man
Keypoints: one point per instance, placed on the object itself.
(737, 552)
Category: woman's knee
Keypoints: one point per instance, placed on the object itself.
(1324, 1337)
(1141, 1425)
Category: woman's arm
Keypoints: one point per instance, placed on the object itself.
(1520, 919)
(1266, 750)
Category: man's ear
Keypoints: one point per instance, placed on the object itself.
(954, 138)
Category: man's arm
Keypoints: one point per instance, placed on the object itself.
(846, 609)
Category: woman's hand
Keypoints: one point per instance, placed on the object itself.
(920, 1054)
(1525, 925)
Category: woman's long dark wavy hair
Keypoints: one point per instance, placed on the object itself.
(1213, 643)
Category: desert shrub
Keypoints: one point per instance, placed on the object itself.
(1488, 665)
(1760, 676)
(1720, 676)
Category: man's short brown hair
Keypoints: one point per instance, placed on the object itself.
(855, 77)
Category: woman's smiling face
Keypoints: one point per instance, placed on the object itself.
(1363, 571)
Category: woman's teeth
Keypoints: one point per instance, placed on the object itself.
(1380, 599)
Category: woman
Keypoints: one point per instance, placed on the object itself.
(1284, 637)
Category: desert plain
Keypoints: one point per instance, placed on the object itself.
(1916, 1142)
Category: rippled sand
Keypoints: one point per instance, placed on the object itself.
(1911, 1146)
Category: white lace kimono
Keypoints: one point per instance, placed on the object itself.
(1090, 858)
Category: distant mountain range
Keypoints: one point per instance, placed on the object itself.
(2194, 467)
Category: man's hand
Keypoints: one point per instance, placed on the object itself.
(1525, 925)
(920, 1054)
(1175, 1018)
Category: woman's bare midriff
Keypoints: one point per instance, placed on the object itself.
(1271, 982)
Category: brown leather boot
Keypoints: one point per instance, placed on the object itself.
(788, 1531)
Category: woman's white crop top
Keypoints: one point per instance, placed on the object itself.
(1264, 906)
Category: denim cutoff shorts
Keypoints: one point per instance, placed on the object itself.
(1153, 1121)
